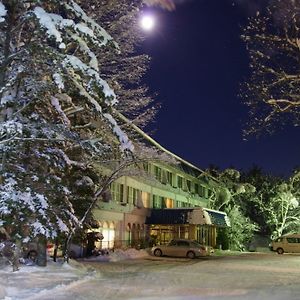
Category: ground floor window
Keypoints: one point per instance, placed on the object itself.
(162, 234)
(107, 230)
(135, 235)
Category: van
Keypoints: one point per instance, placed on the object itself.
(287, 243)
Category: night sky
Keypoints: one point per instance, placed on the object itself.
(198, 64)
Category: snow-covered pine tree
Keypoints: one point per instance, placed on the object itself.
(54, 115)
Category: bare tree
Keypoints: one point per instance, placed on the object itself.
(167, 4)
(272, 92)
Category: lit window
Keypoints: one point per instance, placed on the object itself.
(169, 203)
(146, 199)
(108, 232)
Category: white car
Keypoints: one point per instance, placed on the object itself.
(182, 248)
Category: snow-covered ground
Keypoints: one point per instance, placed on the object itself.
(33, 282)
(135, 275)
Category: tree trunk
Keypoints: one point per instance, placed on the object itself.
(16, 255)
(42, 252)
(67, 246)
(55, 250)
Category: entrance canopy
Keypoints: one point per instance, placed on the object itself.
(218, 218)
(196, 216)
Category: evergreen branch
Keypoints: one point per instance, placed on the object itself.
(9, 140)
(15, 138)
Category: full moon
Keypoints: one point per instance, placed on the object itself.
(147, 22)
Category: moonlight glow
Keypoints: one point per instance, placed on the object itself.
(147, 22)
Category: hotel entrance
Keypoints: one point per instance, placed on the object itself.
(198, 224)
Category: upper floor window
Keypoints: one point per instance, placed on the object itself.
(146, 199)
(146, 167)
(117, 191)
(170, 178)
(169, 203)
(134, 196)
(209, 193)
(189, 185)
(162, 201)
(202, 191)
(156, 201)
(179, 182)
(157, 173)
(129, 195)
(196, 188)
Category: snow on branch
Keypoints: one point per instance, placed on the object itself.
(68, 161)
(56, 104)
(38, 228)
(47, 21)
(85, 49)
(55, 26)
(61, 225)
(122, 136)
(10, 193)
(77, 64)
(3, 12)
(10, 128)
(58, 81)
(27, 202)
(97, 30)
(9, 89)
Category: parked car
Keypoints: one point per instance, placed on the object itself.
(30, 250)
(287, 243)
(182, 248)
(75, 251)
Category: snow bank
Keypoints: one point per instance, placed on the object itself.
(3, 12)
(34, 282)
(119, 255)
(131, 253)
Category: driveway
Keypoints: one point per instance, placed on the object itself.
(247, 276)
